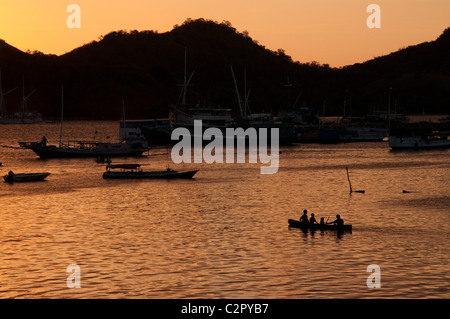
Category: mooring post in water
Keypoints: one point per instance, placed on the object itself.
(349, 183)
(351, 190)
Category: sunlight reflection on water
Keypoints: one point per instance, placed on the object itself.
(224, 234)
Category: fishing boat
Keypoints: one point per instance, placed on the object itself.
(298, 224)
(134, 171)
(363, 134)
(133, 146)
(182, 114)
(156, 131)
(419, 140)
(11, 177)
(210, 116)
(246, 119)
(79, 149)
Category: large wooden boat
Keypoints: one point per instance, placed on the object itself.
(135, 147)
(133, 171)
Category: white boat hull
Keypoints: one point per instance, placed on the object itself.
(418, 142)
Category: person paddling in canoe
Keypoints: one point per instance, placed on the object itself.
(313, 220)
(304, 218)
(338, 222)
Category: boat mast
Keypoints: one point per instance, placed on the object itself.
(123, 114)
(3, 112)
(186, 80)
(23, 95)
(238, 98)
(24, 98)
(247, 95)
(62, 115)
(389, 107)
(2, 100)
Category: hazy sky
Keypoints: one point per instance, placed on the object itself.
(327, 31)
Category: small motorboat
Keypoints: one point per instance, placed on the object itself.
(420, 139)
(11, 177)
(298, 224)
(133, 171)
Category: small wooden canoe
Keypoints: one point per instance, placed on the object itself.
(25, 177)
(298, 224)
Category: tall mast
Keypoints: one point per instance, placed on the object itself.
(238, 98)
(23, 95)
(3, 112)
(186, 81)
(24, 98)
(185, 77)
(247, 94)
(62, 115)
(123, 114)
(2, 100)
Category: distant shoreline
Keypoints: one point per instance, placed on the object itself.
(414, 118)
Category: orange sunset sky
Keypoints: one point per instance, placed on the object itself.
(328, 31)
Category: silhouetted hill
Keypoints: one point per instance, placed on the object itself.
(146, 69)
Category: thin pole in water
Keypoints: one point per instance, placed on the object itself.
(348, 177)
(351, 190)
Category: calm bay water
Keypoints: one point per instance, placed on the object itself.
(224, 234)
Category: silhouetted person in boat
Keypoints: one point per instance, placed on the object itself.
(10, 177)
(322, 221)
(44, 141)
(313, 220)
(304, 218)
(339, 221)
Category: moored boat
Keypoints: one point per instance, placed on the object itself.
(24, 116)
(155, 131)
(298, 224)
(24, 177)
(77, 149)
(133, 171)
(419, 140)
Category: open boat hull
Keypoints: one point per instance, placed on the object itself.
(26, 177)
(57, 152)
(168, 174)
(298, 224)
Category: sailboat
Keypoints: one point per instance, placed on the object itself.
(133, 146)
(247, 119)
(155, 131)
(183, 115)
(22, 117)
